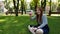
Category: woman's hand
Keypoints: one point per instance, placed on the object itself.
(38, 27)
(34, 28)
(30, 14)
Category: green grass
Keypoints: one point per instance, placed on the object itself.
(18, 25)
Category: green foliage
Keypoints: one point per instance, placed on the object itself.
(58, 0)
(59, 5)
(23, 5)
(7, 4)
(33, 4)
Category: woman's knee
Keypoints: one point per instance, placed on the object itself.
(39, 31)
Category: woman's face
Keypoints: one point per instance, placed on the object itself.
(38, 11)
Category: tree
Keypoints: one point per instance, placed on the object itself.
(35, 2)
(50, 8)
(32, 5)
(22, 6)
(25, 6)
(58, 0)
(43, 4)
(16, 6)
(7, 2)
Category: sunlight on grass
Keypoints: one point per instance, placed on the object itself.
(55, 14)
(0, 30)
(15, 21)
(2, 20)
(24, 15)
(53, 17)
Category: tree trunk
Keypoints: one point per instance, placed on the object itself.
(35, 6)
(43, 4)
(50, 9)
(22, 6)
(24, 10)
(16, 7)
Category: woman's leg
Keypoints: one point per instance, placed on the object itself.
(31, 29)
(39, 31)
(46, 29)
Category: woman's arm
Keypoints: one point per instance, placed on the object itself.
(33, 18)
(44, 21)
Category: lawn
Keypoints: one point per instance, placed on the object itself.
(18, 25)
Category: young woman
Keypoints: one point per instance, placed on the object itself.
(42, 26)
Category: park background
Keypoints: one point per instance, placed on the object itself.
(14, 15)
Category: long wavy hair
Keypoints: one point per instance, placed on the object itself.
(39, 17)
